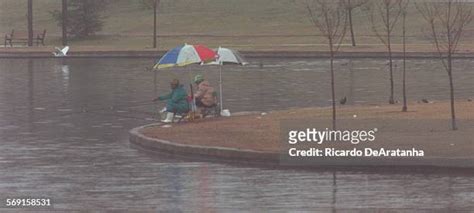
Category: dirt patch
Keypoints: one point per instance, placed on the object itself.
(425, 126)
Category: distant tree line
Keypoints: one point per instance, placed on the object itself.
(84, 17)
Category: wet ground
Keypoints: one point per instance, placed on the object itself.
(64, 135)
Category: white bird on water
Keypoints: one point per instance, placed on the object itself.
(61, 52)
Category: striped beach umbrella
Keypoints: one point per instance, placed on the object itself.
(186, 54)
(226, 56)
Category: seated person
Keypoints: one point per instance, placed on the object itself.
(205, 95)
(176, 101)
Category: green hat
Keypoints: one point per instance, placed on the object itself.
(198, 78)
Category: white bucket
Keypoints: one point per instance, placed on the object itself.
(225, 113)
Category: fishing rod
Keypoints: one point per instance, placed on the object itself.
(123, 116)
(113, 107)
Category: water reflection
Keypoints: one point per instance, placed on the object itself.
(334, 190)
(63, 70)
(65, 137)
(31, 95)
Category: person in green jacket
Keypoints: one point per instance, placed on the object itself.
(176, 101)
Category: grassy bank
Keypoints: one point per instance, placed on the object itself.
(243, 24)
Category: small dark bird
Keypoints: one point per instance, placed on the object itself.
(469, 100)
(343, 100)
(425, 101)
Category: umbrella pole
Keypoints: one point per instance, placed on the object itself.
(155, 90)
(156, 110)
(220, 86)
(193, 104)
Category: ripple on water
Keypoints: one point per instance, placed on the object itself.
(68, 125)
(64, 110)
(43, 122)
(9, 127)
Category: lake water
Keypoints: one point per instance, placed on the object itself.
(64, 135)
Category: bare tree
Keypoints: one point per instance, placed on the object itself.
(404, 16)
(152, 5)
(384, 15)
(30, 23)
(155, 8)
(329, 17)
(64, 21)
(447, 20)
(83, 17)
(350, 5)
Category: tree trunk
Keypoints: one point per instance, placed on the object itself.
(333, 90)
(30, 23)
(451, 88)
(351, 27)
(404, 108)
(391, 99)
(155, 5)
(389, 47)
(64, 22)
